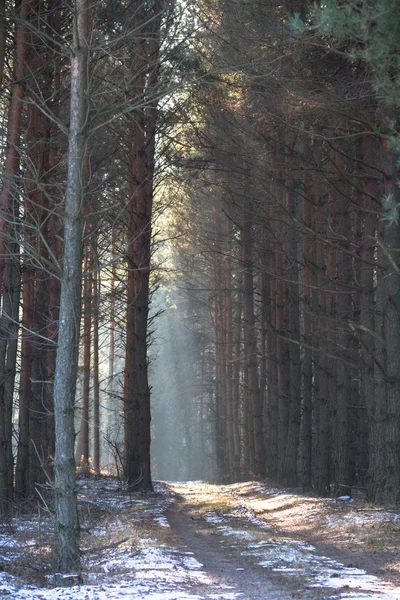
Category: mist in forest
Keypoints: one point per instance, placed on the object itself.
(181, 391)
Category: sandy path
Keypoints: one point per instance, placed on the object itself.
(248, 555)
(221, 564)
(224, 562)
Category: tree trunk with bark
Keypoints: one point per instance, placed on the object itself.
(321, 406)
(289, 475)
(12, 159)
(371, 318)
(344, 373)
(391, 330)
(3, 36)
(250, 342)
(236, 371)
(82, 451)
(67, 522)
(221, 425)
(309, 290)
(10, 186)
(8, 348)
(144, 74)
(231, 423)
(96, 370)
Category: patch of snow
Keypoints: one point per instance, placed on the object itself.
(242, 533)
(192, 563)
(163, 521)
(390, 595)
(212, 517)
(8, 541)
(228, 596)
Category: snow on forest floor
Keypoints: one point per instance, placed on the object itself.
(200, 541)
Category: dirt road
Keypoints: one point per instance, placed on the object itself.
(244, 553)
(198, 541)
(223, 563)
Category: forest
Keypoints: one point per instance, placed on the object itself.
(199, 249)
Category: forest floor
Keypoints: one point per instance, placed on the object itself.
(199, 541)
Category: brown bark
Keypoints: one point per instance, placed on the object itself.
(231, 422)
(221, 426)
(309, 290)
(22, 467)
(378, 450)
(112, 415)
(374, 386)
(8, 197)
(12, 159)
(331, 339)
(36, 404)
(145, 58)
(37, 205)
(8, 350)
(236, 373)
(292, 274)
(3, 34)
(344, 339)
(281, 315)
(30, 414)
(272, 416)
(321, 408)
(250, 343)
(83, 452)
(96, 375)
(391, 331)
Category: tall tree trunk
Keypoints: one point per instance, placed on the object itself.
(379, 450)
(374, 376)
(309, 290)
(391, 330)
(250, 342)
(96, 375)
(112, 419)
(7, 199)
(230, 423)
(292, 274)
(13, 282)
(3, 34)
(236, 373)
(272, 408)
(54, 229)
(136, 222)
(281, 318)
(220, 358)
(36, 446)
(345, 314)
(137, 415)
(67, 523)
(82, 452)
(37, 206)
(266, 385)
(331, 338)
(25, 392)
(29, 410)
(8, 345)
(12, 160)
(321, 407)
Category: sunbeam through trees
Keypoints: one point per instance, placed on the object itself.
(199, 249)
